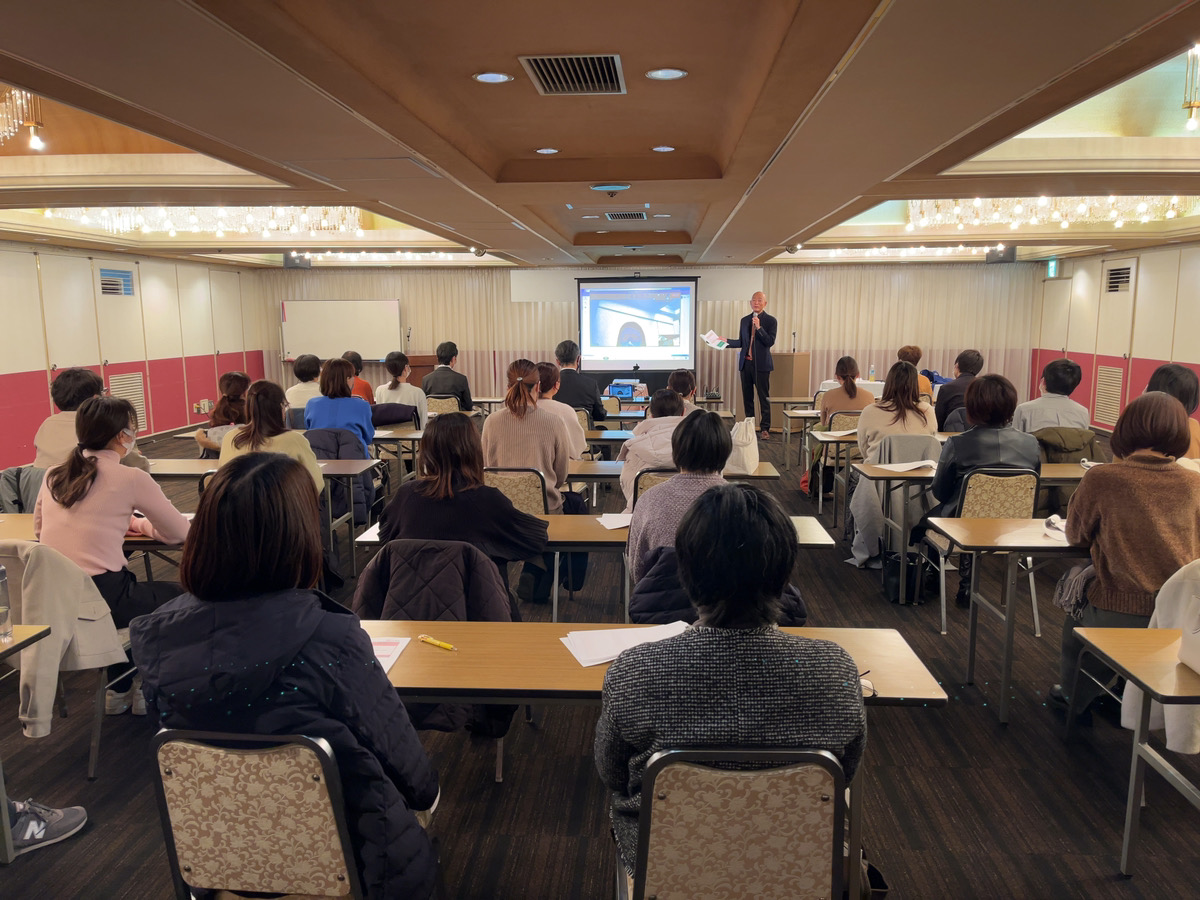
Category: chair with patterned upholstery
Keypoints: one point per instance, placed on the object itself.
(844, 420)
(436, 404)
(526, 488)
(925, 398)
(990, 493)
(611, 404)
(648, 478)
(215, 791)
(741, 830)
(585, 419)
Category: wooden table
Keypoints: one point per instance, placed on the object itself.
(903, 527)
(1149, 659)
(19, 527)
(608, 436)
(1014, 539)
(23, 636)
(520, 662)
(610, 470)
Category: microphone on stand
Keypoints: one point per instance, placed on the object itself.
(408, 337)
(793, 342)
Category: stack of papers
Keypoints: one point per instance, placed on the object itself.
(846, 433)
(908, 466)
(592, 648)
(1055, 527)
(613, 521)
(388, 650)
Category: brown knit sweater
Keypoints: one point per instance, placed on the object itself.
(1141, 518)
(538, 440)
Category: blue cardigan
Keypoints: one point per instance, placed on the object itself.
(351, 413)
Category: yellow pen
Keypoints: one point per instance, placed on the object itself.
(428, 640)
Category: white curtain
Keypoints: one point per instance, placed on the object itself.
(869, 311)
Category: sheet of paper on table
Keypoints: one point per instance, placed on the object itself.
(613, 521)
(388, 650)
(592, 648)
(908, 466)
(846, 433)
(713, 340)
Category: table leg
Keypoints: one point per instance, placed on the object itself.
(820, 486)
(837, 468)
(903, 542)
(625, 583)
(1010, 625)
(787, 442)
(853, 886)
(972, 627)
(1137, 780)
(554, 606)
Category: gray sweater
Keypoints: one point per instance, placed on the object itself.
(722, 687)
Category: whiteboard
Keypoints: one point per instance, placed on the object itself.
(328, 328)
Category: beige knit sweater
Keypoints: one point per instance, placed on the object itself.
(1141, 518)
(538, 440)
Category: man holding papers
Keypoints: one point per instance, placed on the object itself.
(746, 683)
(756, 336)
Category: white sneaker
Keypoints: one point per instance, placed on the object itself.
(117, 702)
(138, 703)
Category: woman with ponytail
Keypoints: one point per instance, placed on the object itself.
(267, 431)
(229, 411)
(88, 504)
(522, 436)
(846, 397)
(398, 390)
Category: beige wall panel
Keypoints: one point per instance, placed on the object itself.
(119, 317)
(160, 310)
(1154, 310)
(226, 310)
(1085, 305)
(68, 299)
(22, 340)
(195, 310)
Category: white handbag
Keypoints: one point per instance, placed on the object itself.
(744, 458)
(1189, 644)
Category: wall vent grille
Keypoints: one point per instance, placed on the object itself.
(1116, 280)
(564, 76)
(116, 282)
(1110, 382)
(131, 387)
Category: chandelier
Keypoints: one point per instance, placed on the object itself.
(20, 109)
(219, 221)
(1044, 212)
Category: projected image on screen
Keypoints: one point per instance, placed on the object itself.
(650, 323)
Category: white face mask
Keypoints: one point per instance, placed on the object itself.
(132, 435)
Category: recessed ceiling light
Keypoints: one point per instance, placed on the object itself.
(662, 215)
(492, 77)
(547, 151)
(610, 187)
(666, 74)
(660, 231)
(663, 148)
(601, 232)
(591, 217)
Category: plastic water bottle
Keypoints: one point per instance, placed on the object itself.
(6, 626)
(871, 373)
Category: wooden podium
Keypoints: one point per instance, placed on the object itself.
(790, 379)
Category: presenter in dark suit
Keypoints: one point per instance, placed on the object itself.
(443, 380)
(756, 336)
(576, 390)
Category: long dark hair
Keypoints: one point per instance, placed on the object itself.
(97, 422)
(846, 372)
(395, 362)
(450, 452)
(257, 530)
(231, 408)
(264, 408)
(901, 392)
(522, 379)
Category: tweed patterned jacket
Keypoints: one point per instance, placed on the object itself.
(722, 687)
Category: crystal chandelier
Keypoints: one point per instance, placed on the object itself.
(219, 221)
(20, 109)
(1044, 212)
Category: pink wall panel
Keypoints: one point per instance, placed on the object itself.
(97, 369)
(1140, 371)
(167, 394)
(231, 362)
(255, 367)
(201, 374)
(1086, 392)
(1195, 368)
(24, 404)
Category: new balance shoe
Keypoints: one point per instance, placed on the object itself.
(117, 702)
(40, 826)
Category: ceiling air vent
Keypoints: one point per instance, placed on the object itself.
(625, 216)
(564, 76)
(116, 282)
(1117, 280)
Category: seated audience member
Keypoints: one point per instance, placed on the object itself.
(1054, 408)
(910, 353)
(847, 397)
(444, 380)
(990, 442)
(650, 446)
(745, 682)
(951, 396)
(683, 382)
(898, 411)
(577, 391)
(267, 431)
(34, 826)
(336, 408)
(700, 447)
(448, 500)
(229, 411)
(1181, 383)
(1140, 518)
(398, 390)
(252, 648)
(519, 435)
(307, 369)
(55, 439)
(360, 388)
(547, 390)
(86, 507)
